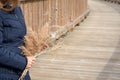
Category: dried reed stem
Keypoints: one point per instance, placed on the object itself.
(35, 43)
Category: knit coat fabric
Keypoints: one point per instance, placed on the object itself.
(12, 31)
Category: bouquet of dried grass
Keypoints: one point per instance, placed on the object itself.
(34, 43)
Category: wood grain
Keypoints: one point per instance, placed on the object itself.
(90, 52)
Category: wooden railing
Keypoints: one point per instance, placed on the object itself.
(116, 1)
(60, 13)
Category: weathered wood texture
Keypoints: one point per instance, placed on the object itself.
(55, 12)
(90, 52)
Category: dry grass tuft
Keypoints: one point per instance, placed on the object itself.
(35, 42)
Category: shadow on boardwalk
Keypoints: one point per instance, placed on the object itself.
(111, 70)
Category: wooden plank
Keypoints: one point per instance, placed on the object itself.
(89, 52)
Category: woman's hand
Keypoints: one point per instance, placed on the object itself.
(31, 61)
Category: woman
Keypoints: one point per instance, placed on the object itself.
(12, 32)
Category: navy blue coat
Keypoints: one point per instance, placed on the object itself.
(12, 31)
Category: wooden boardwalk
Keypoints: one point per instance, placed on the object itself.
(90, 52)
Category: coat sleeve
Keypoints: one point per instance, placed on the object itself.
(10, 58)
